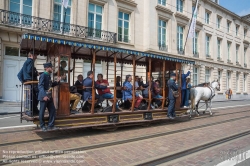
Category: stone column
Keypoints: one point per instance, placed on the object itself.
(223, 80)
(202, 74)
(233, 81)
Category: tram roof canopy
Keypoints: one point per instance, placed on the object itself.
(82, 50)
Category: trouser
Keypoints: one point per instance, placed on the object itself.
(183, 97)
(52, 112)
(171, 107)
(229, 96)
(76, 99)
(137, 102)
(34, 92)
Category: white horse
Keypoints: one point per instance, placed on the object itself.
(203, 93)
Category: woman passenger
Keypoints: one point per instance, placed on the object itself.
(128, 92)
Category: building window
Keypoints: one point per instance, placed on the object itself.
(228, 26)
(179, 5)
(228, 79)
(207, 75)
(237, 81)
(218, 22)
(123, 27)
(237, 53)
(245, 51)
(244, 82)
(195, 44)
(207, 17)
(14, 51)
(162, 29)
(245, 33)
(180, 38)
(237, 30)
(94, 20)
(162, 2)
(219, 75)
(21, 7)
(207, 46)
(195, 76)
(228, 50)
(219, 48)
(59, 11)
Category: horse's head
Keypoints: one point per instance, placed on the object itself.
(216, 85)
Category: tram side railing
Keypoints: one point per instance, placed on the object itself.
(45, 25)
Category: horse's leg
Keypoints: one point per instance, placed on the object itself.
(196, 107)
(206, 107)
(210, 109)
(191, 108)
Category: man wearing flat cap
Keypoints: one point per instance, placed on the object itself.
(172, 86)
(45, 97)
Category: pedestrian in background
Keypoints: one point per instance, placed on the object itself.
(230, 92)
(187, 92)
(184, 87)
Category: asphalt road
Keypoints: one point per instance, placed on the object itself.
(13, 120)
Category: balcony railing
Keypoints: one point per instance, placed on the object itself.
(229, 61)
(45, 25)
(237, 63)
(208, 56)
(245, 65)
(163, 47)
(219, 58)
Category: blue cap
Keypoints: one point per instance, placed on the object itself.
(172, 74)
(46, 65)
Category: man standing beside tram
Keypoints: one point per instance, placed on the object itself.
(45, 97)
(25, 75)
(172, 86)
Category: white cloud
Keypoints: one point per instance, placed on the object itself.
(244, 12)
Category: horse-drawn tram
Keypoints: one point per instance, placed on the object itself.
(63, 54)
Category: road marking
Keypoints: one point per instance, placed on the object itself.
(11, 127)
(10, 117)
(236, 159)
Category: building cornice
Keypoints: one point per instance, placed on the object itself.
(163, 9)
(182, 16)
(234, 15)
(128, 2)
(100, 2)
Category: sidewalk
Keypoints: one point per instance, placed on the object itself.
(9, 107)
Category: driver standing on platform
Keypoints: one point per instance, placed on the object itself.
(45, 97)
(172, 86)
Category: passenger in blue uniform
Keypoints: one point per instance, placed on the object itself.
(45, 97)
(25, 75)
(172, 86)
(184, 87)
(87, 92)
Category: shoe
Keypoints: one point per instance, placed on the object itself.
(74, 112)
(52, 128)
(185, 107)
(171, 117)
(43, 129)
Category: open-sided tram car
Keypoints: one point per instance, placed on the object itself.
(56, 50)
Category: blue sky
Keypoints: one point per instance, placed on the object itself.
(240, 7)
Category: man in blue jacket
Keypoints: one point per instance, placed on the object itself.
(172, 86)
(45, 97)
(25, 75)
(184, 87)
(87, 92)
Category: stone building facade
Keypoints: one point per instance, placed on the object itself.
(220, 48)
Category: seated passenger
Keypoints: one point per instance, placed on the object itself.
(79, 83)
(128, 92)
(105, 93)
(87, 92)
(118, 92)
(157, 89)
(76, 97)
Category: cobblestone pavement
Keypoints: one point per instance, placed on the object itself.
(127, 153)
